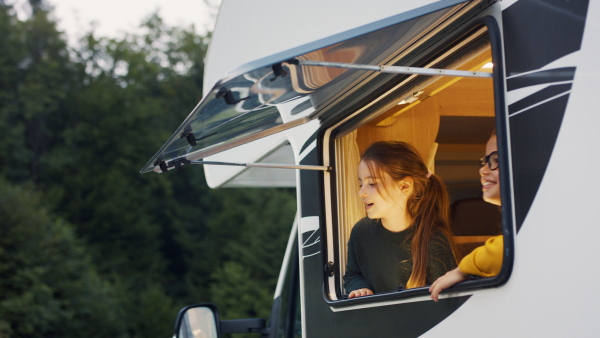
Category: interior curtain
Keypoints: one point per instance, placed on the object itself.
(350, 208)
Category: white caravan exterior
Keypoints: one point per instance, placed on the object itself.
(541, 57)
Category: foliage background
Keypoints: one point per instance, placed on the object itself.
(88, 246)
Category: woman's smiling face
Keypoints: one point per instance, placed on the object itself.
(490, 179)
(376, 204)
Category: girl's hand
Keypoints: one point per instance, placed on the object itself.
(450, 278)
(360, 293)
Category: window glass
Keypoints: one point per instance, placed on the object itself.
(275, 93)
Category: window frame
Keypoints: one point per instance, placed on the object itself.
(332, 291)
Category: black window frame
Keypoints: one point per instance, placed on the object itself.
(508, 229)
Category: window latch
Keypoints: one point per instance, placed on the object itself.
(329, 269)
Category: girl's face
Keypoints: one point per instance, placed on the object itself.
(490, 179)
(383, 203)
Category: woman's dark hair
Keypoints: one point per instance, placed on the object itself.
(428, 206)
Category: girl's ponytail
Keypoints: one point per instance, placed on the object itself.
(431, 213)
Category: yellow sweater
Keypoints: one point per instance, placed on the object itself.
(486, 260)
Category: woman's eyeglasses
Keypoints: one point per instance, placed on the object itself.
(491, 160)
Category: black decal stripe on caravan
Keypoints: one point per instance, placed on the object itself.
(310, 196)
(308, 142)
(537, 32)
(529, 45)
(543, 95)
(533, 134)
(310, 201)
(541, 77)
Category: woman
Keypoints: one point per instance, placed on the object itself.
(405, 241)
(486, 260)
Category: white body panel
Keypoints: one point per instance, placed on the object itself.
(551, 290)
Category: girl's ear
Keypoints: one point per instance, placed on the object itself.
(406, 185)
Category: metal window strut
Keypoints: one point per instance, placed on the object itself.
(267, 165)
(396, 69)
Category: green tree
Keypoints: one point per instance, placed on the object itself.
(135, 91)
(73, 130)
(35, 82)
(260, 220)
(49, 286)
(77, 124)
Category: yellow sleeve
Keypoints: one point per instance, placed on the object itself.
(486, 260)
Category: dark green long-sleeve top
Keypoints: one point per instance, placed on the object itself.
(381, 260)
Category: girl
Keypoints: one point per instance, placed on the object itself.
(405, 241)
(486, 260)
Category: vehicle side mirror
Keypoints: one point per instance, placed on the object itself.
(197, 321)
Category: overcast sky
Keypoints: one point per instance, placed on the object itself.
(112, 17)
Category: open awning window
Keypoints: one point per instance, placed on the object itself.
(277, 93)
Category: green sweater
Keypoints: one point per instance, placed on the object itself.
(380, 259)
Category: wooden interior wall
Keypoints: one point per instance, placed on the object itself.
(420, 124)
(468, 97)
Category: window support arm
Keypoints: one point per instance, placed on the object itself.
(267, 165)
(395, 69)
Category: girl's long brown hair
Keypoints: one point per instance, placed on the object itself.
(428, 206)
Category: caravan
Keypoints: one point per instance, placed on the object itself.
(309, 85)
